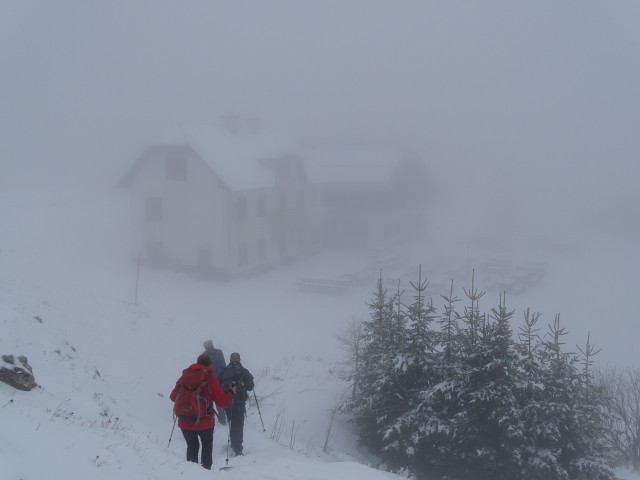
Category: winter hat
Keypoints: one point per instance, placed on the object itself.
(208, 344)
(235, 357)
(204, 359)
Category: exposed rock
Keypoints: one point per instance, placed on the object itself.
(16, 371)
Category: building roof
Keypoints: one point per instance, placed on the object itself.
(352, 163)
(236, 157)
(239, 156)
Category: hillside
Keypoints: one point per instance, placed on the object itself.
(106, 360)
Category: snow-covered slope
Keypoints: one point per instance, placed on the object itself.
(106, 360)
(105, 364)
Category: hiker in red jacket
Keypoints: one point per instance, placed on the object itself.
(197, 390)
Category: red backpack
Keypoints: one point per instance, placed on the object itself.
(191, 403)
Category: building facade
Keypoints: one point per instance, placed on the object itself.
(223, 202)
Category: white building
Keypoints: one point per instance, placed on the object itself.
(369, 193)
(232, 200)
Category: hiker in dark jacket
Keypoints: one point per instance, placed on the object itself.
(236, 375)
(200, 430)
(217, 364)
(216, 356)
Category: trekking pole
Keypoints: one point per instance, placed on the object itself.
(228, 443)
(174, 426)
(257, 405)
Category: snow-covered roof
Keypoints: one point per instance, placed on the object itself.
(234, 157)
(237, 157)
(352, 163)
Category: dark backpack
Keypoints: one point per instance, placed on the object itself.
(232, 375)
(191, 403)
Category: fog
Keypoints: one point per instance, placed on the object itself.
(537, 100)
(525, 113)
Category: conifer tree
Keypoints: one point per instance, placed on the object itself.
(473, 322)
(420, 315)
(449, 327)
(593, 457)
(373, 408)
(560, 381)
(468, 401)
(415, 374)
(532, 405)
(492, 435)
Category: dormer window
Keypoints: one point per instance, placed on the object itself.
(177, 169)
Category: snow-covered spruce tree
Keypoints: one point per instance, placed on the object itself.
(416, 374)
(553, 420)
(449, 329)
(473, 323)
(490, 437)
(422, 339)
(396, 447)
(529, 342)
(377, 400)
(568, 437)
(444, 441)
(399, 335)
(594, 456)
(435, 407)
(527, 348)
(535, 460)
(468, 401)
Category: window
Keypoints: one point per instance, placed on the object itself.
(177, 169)
(153, 209)
(241, 208)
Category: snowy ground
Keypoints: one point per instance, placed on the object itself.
(106, 363)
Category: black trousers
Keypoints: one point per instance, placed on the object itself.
(235, 417)
(193, 439)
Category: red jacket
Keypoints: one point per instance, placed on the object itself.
(213, 394)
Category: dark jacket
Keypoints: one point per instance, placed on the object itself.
(235, 372)
(212, 394)
(217, 360)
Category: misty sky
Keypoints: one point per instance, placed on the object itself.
(532, 106)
